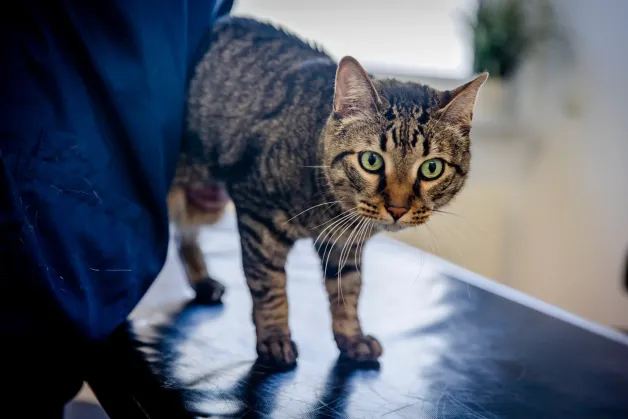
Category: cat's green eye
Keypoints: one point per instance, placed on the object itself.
(431, 169)
(371, 161)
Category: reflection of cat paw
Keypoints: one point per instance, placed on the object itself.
(359, 348)
(208, 292)
(278, 351)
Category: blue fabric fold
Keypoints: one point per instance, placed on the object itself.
(92, 99)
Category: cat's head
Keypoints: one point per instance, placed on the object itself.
(395, 152)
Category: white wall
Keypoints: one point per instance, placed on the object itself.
(571, 233)
(410, 36)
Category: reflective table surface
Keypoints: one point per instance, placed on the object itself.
(456, 345)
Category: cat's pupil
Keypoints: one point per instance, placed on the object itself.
(372, 159)
(431, 167)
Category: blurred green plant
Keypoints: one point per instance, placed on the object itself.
(505, 31)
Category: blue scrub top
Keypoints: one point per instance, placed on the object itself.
(91, 118)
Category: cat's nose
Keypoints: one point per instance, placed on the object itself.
(396, 212)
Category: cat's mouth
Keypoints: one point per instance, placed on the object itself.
(396, 226)
(393, 226)
(211, 198)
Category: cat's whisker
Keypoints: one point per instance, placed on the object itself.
(311, 208)
(369, 235)
(346, 248)
(476, 226)
(330, 235)
(316, 167)
(335, 222)
(342, 263)
(365, 236)
(447, 212)
(362, 237)
(326, 210)
(344, 252)
(433, 237)
(421, 268)
(361, 240)
(329, 221)
(460, 253)
(353, 220)
(357, 246)
(459, 233)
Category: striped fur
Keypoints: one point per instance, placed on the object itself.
(283, 126)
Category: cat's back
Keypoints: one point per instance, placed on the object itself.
(253, 73)
(232, 33)
(247, 63)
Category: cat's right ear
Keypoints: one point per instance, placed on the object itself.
(354, 93)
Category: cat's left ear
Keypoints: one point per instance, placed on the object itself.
(354, 91)
(459, 102)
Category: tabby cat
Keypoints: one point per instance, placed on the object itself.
(308, 148)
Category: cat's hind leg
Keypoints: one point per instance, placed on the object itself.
(208, 290)
(188, 221)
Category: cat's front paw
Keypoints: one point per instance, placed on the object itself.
(278, 352)
(360, 348)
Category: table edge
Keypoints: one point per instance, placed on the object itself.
(512, 294)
